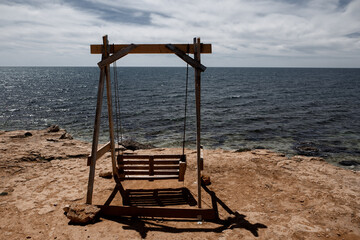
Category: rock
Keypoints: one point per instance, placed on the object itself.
(133, 145)
(205, 179)
(53, 128)
(349, 163)
(4, 193)
(105, 174)
(28, 134)
(66, 135)
(243, 150)
(66, 208)
(81, 213)
(307, 149)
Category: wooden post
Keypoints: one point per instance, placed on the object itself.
(109, 107)
(96, 134)
(197, 51)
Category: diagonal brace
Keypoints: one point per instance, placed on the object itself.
(186, 58)
(123, 52)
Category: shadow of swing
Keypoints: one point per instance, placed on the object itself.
(181, 196)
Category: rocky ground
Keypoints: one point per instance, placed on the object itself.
(272, 196)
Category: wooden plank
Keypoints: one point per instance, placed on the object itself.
(117, 55)
(182, 168)
(151, 166)
(148, 156)
(150, 48)
(144, 172)
(144, 167)
(206, 214)
(95, 138)
(140, 177)
(110, 113)
(140, 162)
(186, 58)
(198, 116)
(104, 149)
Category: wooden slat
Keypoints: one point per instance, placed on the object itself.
(150, 48)
(142, 172)
(134, 162)
(182, 168)
(148, 156)
(206, 214)
(144, 167)
(140, 177)
(151, 166)
(104, 149)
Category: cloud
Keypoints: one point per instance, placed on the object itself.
(243, 33)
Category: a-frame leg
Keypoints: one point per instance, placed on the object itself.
(95, 138)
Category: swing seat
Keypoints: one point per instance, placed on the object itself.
(151, 167)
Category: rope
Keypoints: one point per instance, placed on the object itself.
(186, 99)
(119, 131)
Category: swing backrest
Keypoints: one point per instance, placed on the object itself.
(151, 167)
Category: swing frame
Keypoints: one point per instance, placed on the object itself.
(110, 54)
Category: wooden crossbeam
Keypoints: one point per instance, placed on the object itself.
(185, 57)
(117, 55)
(104, 149)
(150, 48)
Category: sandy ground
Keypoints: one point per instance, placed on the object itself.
(273, 196)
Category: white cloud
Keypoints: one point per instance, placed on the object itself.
(243, 33)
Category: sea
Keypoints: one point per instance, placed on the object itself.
(306, 111)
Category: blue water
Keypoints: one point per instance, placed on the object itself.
(283, 109)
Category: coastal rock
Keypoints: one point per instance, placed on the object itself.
(243, 150)
(134, 145)
(66, 135)
(81, 213)
(307, 149)
(53, 128)
(349, 163)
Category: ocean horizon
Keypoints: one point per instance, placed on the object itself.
(307, 111)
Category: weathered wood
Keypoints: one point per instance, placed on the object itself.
(186, 58)
(110, 113)
(95, 138)
(144, 156)
(117, 55)
(153, 173)
(144, 167)
(104, 149)
(143, 177)
(182, 168)
(142, 162)
(151, 48)
(198, 116)
(151, 166)
(206, 214)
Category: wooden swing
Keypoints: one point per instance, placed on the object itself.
(145, 167)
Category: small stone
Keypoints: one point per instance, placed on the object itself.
(105, 174)
(66, 208)
(4, 193)
(82, 213)
(205, 179)
(53, 128)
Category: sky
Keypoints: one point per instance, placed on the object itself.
(243, 33)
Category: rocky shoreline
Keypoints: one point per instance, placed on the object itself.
(272, 196)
